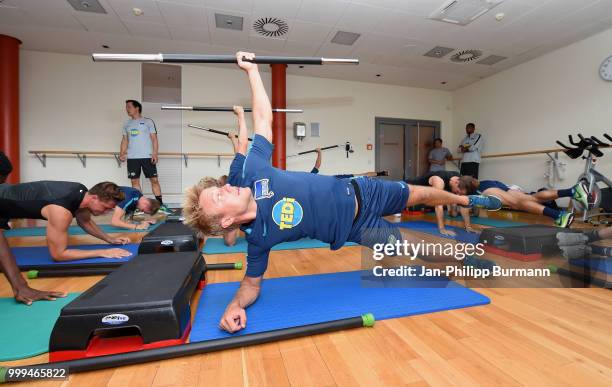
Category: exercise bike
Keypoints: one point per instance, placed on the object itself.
(591, 177)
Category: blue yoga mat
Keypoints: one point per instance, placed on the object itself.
(602, 265)
(39, 255)
(432, 229)
(294, 301)
(492, 222)
(216, 245)
(72, 230)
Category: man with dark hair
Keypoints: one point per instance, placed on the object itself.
(134, 200)
(139, 146)
(438, 156)
(449, 181)
(5, 167)
(471, 148)
(21, 290)
(59, 202)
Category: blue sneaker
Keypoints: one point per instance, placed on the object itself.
(581, 194)
(564, 220)
(489, 202)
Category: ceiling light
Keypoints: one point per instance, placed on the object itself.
(463, 12)
(345, 38)
(137, 11)
(229, 22)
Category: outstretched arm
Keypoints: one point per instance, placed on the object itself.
(243, 138)
(438, 183)
(317, 165)
(21, 290)
(262, 110)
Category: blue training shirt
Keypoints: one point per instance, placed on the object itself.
(131, 199)
(291, 206)
(235, 171)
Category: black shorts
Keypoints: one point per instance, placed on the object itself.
(470, 169)
(135, 165)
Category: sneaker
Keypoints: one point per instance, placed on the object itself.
(581, 194)
(576, 251)
(571, 239)
(164, 210)
(490, 202)
(564, 220)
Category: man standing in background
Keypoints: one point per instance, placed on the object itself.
(438, 156)
(139, 146)
(471, 147)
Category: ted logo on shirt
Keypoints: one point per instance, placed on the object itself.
(287, 213)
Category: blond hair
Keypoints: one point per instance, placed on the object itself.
(194, 215)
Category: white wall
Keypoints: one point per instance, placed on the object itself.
(531, 105)
(69, 102)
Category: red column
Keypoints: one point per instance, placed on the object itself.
(279, 121)
(9, 102)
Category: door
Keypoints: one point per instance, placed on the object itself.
(402, 146)
(390, 150)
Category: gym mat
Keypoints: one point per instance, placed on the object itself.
(601, 265)
(72, 230)
(492, 222)
(25, 330)
(294, 301)
(432, 229)
(39, 256)
(216, 245)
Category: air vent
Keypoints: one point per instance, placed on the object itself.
(466, 56)
(439, 52)
(491, 60)
(463, 12)
(228, 22)
(270, 26)
(87, 6)
(346, 38)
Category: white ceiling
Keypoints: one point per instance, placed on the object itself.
(394, 33)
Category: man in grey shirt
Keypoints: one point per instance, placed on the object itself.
(471, 147)
(139, 146)
(438, 156)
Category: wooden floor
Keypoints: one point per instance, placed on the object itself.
(536, 337)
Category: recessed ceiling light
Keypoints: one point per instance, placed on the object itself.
(228, 22)
(378, 75)
(443, 83)
(345, 38)
(137, 11)
(105, 46)
(301, 66)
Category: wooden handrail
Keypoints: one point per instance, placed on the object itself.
(41, 155)
(99, 153)
(544, 151)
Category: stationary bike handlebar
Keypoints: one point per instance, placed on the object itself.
(608, 136)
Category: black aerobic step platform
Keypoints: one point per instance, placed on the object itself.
(523, 243)
(143, 304)
(169, 237)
